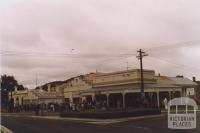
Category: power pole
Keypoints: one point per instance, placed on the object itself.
(127, 67)
(36, 80)
(141, 54)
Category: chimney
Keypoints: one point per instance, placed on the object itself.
(49, 87)
(194, 79)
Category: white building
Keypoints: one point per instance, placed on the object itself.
(124, 87)
(116, 87)
(27, 96)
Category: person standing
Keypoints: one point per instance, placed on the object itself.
(165, 102)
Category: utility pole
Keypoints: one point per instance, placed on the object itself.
(127, 67)
(36, 80)
(141, 54)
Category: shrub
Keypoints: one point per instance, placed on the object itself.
(107, 114)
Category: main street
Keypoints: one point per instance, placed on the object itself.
(22, 124)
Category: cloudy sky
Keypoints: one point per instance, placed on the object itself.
(58, 39)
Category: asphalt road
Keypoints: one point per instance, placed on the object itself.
(35, 125)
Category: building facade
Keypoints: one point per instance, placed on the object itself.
(122, 88)
(34, 97)
(197, 90)
(119, 89)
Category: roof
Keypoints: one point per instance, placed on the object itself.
(162, 85)
(161, 82)
(174, 81)
(182, 81)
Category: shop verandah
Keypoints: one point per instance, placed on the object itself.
(128, 98)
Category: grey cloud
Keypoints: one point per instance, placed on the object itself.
(100, 32)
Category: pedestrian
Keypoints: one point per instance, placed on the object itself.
(165, 102)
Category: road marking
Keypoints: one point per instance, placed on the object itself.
(145, 128)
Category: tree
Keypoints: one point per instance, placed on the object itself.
(20, 87)
(8, 84)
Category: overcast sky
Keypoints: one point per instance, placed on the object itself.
(58, 39)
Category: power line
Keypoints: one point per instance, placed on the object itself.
(60, 55)
(106, 57)
(175, 64)
(174, 45)
(43, 54)
(178, 67)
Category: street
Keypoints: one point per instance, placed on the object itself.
(34, 125)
